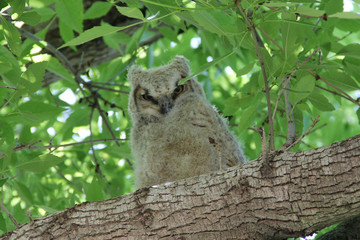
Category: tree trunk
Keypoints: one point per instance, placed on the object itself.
(303, 192)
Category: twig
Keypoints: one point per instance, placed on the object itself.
(264, 150)
(289, 78)
(29, 215)
(67, 180)
(316, 120)
(14, 88)
(22, 147)
(262, 65)
(270, 38)
(333, 92)
(108, 89)
(333, 86)
(9, 214)
(107, 83)
(302, 142)
(97, 165)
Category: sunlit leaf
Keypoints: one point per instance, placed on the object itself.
(71, 13)
(321, 102)
(97, 9)
(40, 163)
(130, 12)
(302, 89)
(12, 36)
(91, 34)
(31, 18)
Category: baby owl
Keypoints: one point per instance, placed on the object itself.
(176, 133)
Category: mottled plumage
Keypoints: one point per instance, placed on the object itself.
(176, 133)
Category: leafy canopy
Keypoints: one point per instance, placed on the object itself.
(58, 123)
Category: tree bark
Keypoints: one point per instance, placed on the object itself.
(304, 192)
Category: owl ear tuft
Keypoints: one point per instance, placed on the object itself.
(182, 65)
(135, 74)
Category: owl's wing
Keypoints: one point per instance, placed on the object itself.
(203, 115)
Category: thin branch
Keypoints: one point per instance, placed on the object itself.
(107, 89)
(289, 78)
(23, 147)
(50, 48)
(270, 38)
(78, 78)
(29, 215)
(108, 84)
(316, 120)
(67, 180)
(14, 88)
(333, 92)
(333, 86)
(9, 214)
(97, 165)
(262, 65)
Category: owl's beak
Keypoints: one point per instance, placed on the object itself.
(165, 104)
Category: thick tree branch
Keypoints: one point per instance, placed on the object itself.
(305, 192)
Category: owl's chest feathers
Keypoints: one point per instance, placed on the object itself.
(172, 138)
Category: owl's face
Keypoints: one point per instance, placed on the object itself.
(157, 103)
(155, 92)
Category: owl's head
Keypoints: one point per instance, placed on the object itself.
(156, 91)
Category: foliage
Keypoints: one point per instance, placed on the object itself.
(313, 44)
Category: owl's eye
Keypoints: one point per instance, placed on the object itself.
(179, 89)
(147, 97)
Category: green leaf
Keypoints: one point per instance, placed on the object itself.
(92, 33)
(333, 6)
(18, 6)
(131, 12)
(12, 36)
(71, 13)
(97, 9)
(135, 39)
(35, 112)
(66, 32)
(2, 223)
(345, 15)
(34, 76)
(10, 65)
(7, 132)
(114, 40)
(247, 118)
(302, 89)
(208, 65)
(40, 163)
(351, 50)
(24, 192)
(94, 191)
(169, 33)
(3, 181)
(32, 18)
(321, 102)
(246, 69)
(49, 210)
(45, 13)
(233, 104)
(341, 80)
(56, 67)
(309, 11)
(216, 22)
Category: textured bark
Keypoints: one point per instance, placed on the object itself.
(303, 192)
